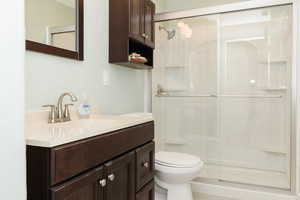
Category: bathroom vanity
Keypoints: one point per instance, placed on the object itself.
(114, 163)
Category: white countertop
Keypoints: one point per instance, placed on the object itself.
(40, 133)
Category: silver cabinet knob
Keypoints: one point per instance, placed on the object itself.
(102, 182)
(144, 35)
(111, 177)
(146, 164)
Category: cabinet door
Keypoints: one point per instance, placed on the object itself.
(136, 20)
(147, 193)
(149, 10)
(87, 186)
(144, 165)
(120, 178)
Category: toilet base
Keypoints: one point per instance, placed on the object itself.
(176, 191)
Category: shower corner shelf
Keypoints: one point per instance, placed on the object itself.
(277, 151)
(274, 89)
(175, 89)
(175, 66)
(178, 141)
(276, 62)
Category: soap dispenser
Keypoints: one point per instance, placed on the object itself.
(84, 109)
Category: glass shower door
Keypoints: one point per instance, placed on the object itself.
(186, 72)
(255, 96)
(222, 92)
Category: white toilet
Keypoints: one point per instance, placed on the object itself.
(174, 171)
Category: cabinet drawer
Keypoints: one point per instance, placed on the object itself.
(72, 159)
(147, 193)
(144, 165)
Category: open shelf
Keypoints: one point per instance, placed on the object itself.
(134, 65)
(145, 51)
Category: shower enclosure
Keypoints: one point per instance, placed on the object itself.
(222, 91)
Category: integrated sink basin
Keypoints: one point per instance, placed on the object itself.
(40, 133)
(88, 124)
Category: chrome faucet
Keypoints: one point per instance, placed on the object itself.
(58, 113)
(64, 115)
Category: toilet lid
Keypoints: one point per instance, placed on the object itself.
(174, 159)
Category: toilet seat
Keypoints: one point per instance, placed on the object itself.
(177, 170)
(176, 160)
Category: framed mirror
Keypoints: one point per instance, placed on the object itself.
(55, 27)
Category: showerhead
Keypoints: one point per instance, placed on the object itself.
(171, 33)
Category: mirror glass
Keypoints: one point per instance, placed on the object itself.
(52, 22)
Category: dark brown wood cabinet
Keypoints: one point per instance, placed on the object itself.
(142, 22)
(136, 26)
(149, 31)
(147, 193)
(115, 166)
(131, 30)
(114, 181)
(144, 164)
(120, 176)
(83, 187)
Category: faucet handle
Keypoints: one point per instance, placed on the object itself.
(52, 115)
(66, 114)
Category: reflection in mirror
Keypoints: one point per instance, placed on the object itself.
(62, 37)
(52, 22)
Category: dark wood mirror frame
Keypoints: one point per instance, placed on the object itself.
(77, 55)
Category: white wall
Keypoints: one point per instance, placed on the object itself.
(296, 60)
(49, 76)
(12, 143)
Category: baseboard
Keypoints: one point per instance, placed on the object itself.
(233, 193)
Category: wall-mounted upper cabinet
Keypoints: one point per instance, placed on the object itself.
(141, 21)
(131, 32)
(136, 29)
(149, 31)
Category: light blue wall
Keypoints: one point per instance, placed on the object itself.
(48, 76)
